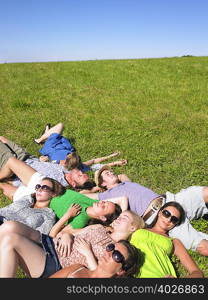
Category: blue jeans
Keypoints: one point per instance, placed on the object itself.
(1, 220)
(52, 264)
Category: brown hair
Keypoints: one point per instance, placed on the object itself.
(135, 259)
(173, 204)
(57, 187)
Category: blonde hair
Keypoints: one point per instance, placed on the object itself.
(72, 161)
(138, 222)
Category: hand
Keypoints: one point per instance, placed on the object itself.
(169, 276)
(43, 158)
(3, 140)
(116, 153)
(82, 246)
(74, 210)
(121, 162)
(64, 244)
(63, 162)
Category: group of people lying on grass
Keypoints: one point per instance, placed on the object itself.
(62, 224)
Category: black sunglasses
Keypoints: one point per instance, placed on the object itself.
(43, 187)
(167, 215)
(117, 256)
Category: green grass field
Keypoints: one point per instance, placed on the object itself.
(153, 110)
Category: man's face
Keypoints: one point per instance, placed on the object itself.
(78, 177)
(109, 178)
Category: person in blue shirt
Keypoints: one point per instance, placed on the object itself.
(58, 149)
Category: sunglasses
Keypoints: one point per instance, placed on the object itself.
(117, 256)
(167, 215)
(44, 188)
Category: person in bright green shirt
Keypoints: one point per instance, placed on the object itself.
(158, 247)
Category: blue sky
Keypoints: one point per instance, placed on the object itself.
(48, 30)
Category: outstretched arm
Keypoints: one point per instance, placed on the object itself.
(100, 159)
(121, 201)
(91, 195)
(186, 260)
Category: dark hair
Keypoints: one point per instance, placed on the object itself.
(109, 217)
(57, 187)
(88, 185)
(167, 204)
(135, 259)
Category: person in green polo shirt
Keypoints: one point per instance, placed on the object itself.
(104, 211)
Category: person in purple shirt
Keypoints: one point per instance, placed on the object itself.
(193, 199)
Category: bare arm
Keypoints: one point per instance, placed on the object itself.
(91, 195)
(186, 260)
(85, 249)
(95, 189)
(121, 201)
(69, 229)
(3, 140)
(44, 158)
(123, 177)
(73, 211)
(100, 159)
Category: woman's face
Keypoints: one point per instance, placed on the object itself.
(44, 191)
(123, 222)
(168, 217)
(102, 208)
(109, 264)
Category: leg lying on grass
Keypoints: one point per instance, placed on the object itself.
(55, 129)
(19, 168)
(8, 190)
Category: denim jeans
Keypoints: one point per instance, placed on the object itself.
(52, 264)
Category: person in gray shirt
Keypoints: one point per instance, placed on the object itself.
(74, 178)
(33, 210)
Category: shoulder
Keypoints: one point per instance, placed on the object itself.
(177, 243)
(27, 199)
(68, 271)
(77, 271)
